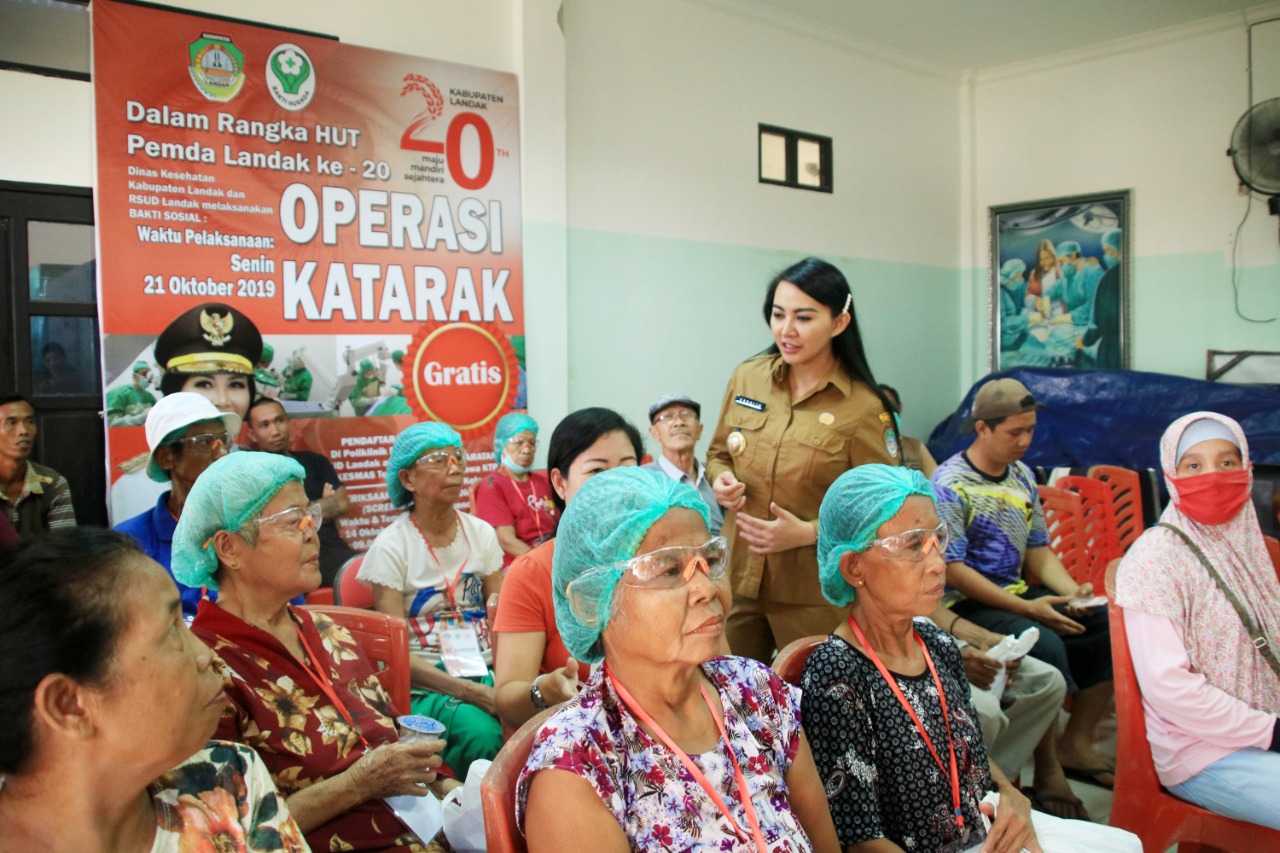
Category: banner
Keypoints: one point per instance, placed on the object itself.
(285, 215)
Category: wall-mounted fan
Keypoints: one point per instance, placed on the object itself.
(1255, 151)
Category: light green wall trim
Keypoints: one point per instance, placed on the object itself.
(650, 315)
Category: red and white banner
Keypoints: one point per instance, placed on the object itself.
(357, 209)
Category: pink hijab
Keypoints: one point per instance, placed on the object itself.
(1161, 576)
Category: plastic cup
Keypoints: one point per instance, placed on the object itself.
(415, 727)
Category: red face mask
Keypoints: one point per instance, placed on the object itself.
(1213, 498)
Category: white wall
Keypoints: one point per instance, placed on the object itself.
(1154, 114)
(672, 237)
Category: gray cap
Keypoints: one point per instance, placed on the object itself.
(1000, 398)
(667, 400)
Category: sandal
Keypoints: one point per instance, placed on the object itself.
(1061, 806)
(1090, 775)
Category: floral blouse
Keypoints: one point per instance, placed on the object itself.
(278, 708)
(656, 801)
(222, 799)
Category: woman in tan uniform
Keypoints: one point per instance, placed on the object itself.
(794, 418)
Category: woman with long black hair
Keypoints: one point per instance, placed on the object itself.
(794, 418)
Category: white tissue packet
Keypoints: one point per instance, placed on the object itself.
(1010, 648)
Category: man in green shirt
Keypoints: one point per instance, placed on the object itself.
(268, 380)
(297, 380)
(128, 405)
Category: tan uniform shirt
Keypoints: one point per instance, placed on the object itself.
(789, 452)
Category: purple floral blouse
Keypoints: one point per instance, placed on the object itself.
(656, 801)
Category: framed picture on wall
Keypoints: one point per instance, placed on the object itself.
(1060, 290)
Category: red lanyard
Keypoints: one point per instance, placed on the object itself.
(954, 776)
(448, 587)
(317, 671)
(744, 795)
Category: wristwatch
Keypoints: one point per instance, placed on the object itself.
(536, 697)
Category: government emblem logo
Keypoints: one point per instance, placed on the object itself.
(217, 66)
(291, 78)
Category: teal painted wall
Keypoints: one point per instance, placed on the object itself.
(649, 315)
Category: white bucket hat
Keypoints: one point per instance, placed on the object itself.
(178, 411)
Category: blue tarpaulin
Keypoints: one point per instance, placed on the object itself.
(1116, 417)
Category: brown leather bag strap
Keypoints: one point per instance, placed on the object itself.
(1259, 641)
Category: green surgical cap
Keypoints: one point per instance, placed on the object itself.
(140, 366)
(855, 506)
(605, 523)
(1011, 269)
(230, 492)
(512, 424)
(397, 356)
(268, 353)
(1067, 247)
(411, 444)
(1112, 240)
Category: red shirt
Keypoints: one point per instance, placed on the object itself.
(525, 604)
(527, 506)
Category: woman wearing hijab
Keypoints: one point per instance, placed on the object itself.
(515, 499)
(669, 746)
(885, 700)
(1200, 595)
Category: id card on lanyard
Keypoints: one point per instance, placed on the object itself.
(459, 645)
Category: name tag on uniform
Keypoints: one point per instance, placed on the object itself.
(754, 405)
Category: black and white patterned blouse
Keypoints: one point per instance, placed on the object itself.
(880, 779)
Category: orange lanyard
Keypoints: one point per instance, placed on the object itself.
(954, 776)
(744, 794)
(533, 493)
(448, 587)
(326, 686)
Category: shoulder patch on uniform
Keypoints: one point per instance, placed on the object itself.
(755, 405)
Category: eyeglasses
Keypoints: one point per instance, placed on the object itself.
(685, 415)
(914, 545)
(665, 568)
(295, 518)
(438, 460)
(206, 442)
(518, 442)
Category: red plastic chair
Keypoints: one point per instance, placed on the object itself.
(384, 641)
(349, 592)
(1126, 502)
(1098, 534)
(1064, 519)
(789, 664)
(1138, 803)
(320, 595)
(498, 788)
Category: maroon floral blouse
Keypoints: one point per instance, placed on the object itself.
(279, 708)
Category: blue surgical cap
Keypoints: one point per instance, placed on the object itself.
(605, 523)
(858, 502)
(1011, 269)
(229, 493)
(411, 444)
(1067, 247)
(1111, 240)
(512, 424)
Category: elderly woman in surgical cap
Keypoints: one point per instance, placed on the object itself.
(301, 691)
(436, 567)
(515, 499)
(886, 703)
(669, 746)
(1198, 591)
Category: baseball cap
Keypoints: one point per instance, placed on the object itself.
(667, 400)
(1000, 398)
(178, 411)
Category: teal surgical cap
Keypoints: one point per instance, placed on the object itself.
(230, 492)
(604, 524)
(855, 506)
(512, 424)
(140, 366)
(1111, 240)
(1011, 269)
(411, 444)
(1068, 247)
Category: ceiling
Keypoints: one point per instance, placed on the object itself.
(971, 34)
